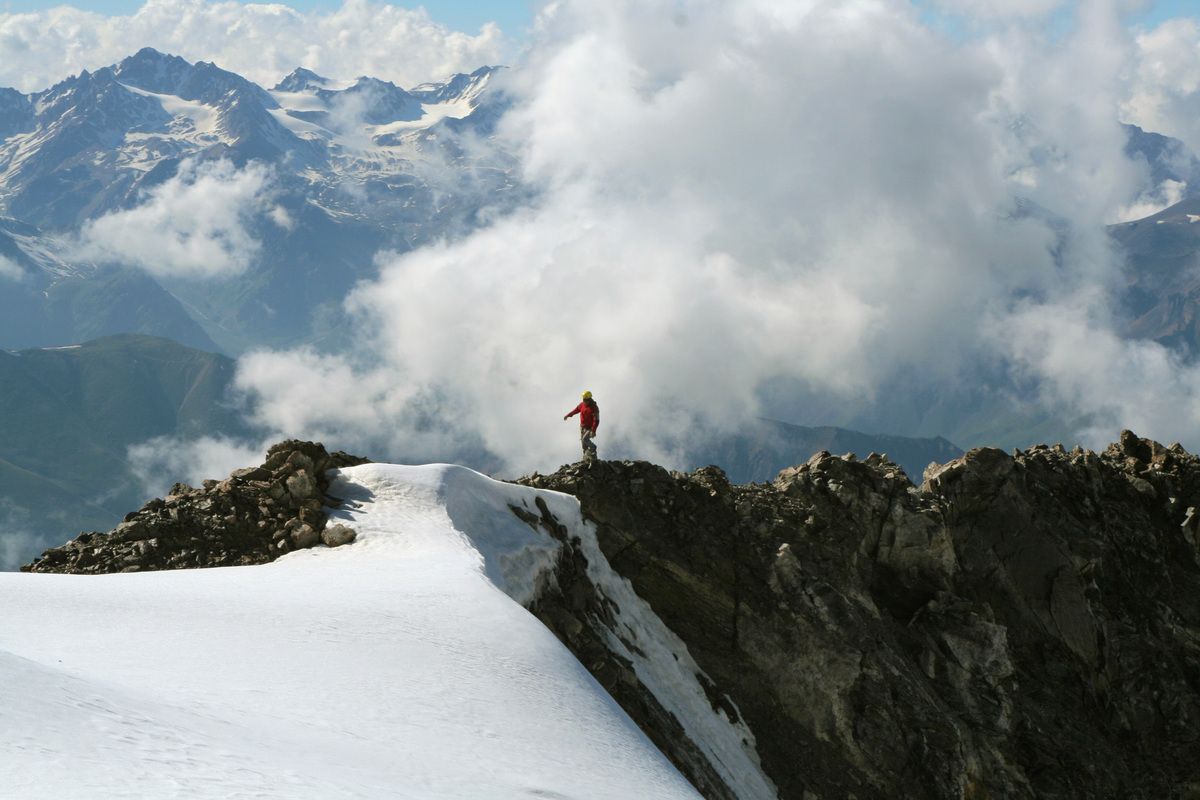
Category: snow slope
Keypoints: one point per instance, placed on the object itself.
(399, 666)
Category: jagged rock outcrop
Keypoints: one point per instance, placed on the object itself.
(1021, 626)
(252, 517)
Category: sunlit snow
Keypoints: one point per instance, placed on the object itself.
(399, 666)
(202, 118)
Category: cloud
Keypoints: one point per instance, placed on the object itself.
(1164, 86)
(18, 547)
(195, 225)
(1151, 201)
(10, 270)
(744, 207)
(1015, 9)
(160, 462)
(362, 407)
(263, 42)
(19, 541)
(1086, 370)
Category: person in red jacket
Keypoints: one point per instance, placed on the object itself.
(589, 420)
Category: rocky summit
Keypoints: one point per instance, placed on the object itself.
(1017, 626)
(252, 517)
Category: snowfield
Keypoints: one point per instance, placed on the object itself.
(400, 666)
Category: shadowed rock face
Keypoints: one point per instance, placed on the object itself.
(252, 517)
(1020, 626)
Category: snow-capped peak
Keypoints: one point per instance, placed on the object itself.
(301, 79)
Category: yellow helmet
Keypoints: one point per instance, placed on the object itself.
(587, 395)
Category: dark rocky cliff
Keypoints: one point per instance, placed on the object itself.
(1020, 626)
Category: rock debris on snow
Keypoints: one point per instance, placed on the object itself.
(252, 517)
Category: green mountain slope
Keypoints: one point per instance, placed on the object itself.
(69, 414)
(51, 303)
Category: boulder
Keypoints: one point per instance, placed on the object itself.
(304, 536)
(338, 535)
(300, 485)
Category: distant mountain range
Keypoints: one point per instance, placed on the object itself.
(1163, 295)
(353, 168)
(46, 301)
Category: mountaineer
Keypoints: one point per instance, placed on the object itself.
(589, 420)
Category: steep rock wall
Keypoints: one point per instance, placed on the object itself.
(1021, 626)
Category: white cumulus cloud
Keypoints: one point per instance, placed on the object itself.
(160, 462)
(10, 270)
(751, 208)
(262, 41)
(1164, 87)
(194, 225)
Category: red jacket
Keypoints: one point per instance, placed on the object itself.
(589, 415)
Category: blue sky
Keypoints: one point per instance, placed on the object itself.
(1151, 14)
(464, 15)
(514, 15)
(1166, 9)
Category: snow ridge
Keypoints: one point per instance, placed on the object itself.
(520, 561)
(395, 667)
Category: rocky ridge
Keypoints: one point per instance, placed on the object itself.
(1020, 626)
(252, 517)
